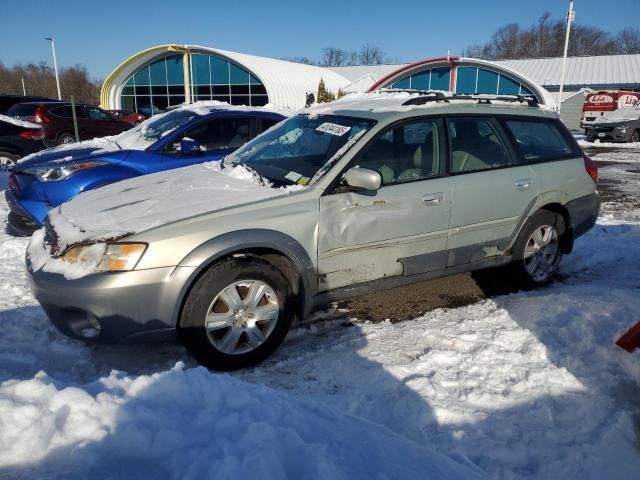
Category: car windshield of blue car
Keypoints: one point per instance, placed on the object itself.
(151, 130)
(294, 151)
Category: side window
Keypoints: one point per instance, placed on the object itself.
(221, 133)
(97, 114)
(475, 145)
(405, 153)
(538, 141)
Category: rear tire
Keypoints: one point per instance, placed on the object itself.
(237, 314)
(7, 160)
(537, 250)
(66, 137)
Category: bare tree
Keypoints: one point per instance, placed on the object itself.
(39, 79)
(334, 57)
(370, 55)
(628, 40)
(545, 38)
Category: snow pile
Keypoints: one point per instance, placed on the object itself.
(17, 122)
(146, 427)
(598, 144)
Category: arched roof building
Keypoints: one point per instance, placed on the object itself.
(166, 75)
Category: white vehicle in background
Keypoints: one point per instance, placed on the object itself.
(599, 104)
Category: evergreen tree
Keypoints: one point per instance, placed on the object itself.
(324, 95)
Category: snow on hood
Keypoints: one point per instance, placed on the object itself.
(621, 115)
(17, 122)
(141, 203)
(70, 151)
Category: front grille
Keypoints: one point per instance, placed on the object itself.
(51, 238)
(604, 129)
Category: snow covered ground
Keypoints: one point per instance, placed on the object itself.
(527, 385)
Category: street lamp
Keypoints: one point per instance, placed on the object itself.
(571, 16)
(55, 64)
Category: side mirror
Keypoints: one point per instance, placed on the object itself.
(363, 178)
(189, 146)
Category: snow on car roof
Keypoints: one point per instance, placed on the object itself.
(380, 103)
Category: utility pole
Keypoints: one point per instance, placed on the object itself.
(24, 90)
(571, 16)
(55, 64)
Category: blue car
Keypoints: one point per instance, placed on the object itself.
(194, 134)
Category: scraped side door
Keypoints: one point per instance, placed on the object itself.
(400, 229)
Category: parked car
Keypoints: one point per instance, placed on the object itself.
(361, 194)
(57, 121)
(619, 126)
(599, 104)
(8, 101)
(133, 118)
(17, 139)
(176, 139)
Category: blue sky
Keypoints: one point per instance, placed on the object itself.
(100, 35)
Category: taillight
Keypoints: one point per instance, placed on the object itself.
(32, 134)
(40, 117)
(591, 168)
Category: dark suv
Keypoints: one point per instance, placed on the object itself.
(57, 121)
(8, 101)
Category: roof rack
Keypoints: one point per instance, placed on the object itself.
(426, 96)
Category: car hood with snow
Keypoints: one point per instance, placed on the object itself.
(90, 150)
(142, 203)
(622, 115)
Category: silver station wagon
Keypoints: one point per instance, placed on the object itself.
(365, 193)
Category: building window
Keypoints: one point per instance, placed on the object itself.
(472, 80)
(159, 85)
(432, 79)
(469, 80)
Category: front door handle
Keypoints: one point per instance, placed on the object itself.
(523, 184)
(433, 199)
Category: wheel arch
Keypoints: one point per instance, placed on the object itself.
(280, 250)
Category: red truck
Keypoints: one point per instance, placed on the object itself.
(599, 103)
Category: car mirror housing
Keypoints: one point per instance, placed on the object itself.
(189, 146)
(363, 178)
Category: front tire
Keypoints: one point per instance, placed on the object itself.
(537, 252)
(237, 314)
(635, 136)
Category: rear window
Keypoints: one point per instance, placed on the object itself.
(540, 141)
(22, 110)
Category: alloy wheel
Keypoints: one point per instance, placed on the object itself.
(542, 253)
(242, 316)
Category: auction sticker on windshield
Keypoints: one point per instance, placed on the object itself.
(333, 129)
(293, 176)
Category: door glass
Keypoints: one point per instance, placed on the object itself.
(221, 133)
(475, 145)
(405, 153)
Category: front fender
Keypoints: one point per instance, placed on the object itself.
(240, 241)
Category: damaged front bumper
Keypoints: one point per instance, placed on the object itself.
(114, 308)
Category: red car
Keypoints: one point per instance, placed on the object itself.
(134, 118)
(56, 120)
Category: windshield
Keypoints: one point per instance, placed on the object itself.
(293, 151)
(149, 131)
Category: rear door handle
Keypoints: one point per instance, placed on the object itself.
(523, 184)
(433, 199)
